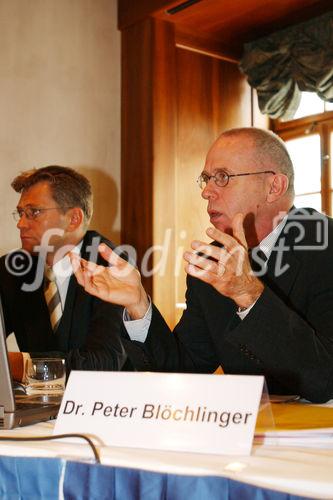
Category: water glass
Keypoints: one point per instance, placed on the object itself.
(46, 376)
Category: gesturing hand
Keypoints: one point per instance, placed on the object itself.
(119, 283)
(228, 268)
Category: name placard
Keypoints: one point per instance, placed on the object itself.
(167, 411)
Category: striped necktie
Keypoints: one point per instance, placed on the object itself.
(52, 298)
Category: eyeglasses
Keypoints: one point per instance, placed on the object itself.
(221, 178)
(32, 213)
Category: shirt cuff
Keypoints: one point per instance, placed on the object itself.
(137, 329)
(242, 314)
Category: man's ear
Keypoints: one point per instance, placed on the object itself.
(75, 218)
(278, 185)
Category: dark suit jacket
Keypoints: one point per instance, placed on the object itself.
(88, 334)
(288, 334)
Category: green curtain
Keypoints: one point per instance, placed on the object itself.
(283, 64)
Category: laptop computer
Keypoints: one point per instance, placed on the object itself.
(18, 409)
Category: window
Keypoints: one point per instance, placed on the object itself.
(305, 154)
(309, 140)
(311, 104)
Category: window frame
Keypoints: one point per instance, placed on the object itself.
(321, 124)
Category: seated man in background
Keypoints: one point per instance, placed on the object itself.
(43, 305)
(278, 323)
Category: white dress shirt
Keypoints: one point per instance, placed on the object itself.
(63, 271)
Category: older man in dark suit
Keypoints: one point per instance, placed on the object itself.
(279, 322)
(43, 305)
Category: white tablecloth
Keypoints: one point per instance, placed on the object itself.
(302, 471)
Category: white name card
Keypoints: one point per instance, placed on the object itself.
(196, 413)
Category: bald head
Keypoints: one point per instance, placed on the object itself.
(268, 151)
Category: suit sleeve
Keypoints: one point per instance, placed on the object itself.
(293, 344)
(102, 348)
(189, 347)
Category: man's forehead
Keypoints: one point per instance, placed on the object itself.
(229, 153)
(214, 169)
(36, 193)
(231, 143)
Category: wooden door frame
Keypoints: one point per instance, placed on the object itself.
(148, 141)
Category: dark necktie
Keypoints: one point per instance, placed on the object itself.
(52, 298)
(258, 260)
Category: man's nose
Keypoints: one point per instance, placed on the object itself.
(22, 222)
(210, 190)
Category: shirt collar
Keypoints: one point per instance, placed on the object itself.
(63, 267)
(268, 243)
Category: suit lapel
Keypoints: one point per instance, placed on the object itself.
(283, 265)
(63, 330)
(32, 306)
(69, 329)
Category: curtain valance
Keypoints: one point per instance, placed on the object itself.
(280, 66)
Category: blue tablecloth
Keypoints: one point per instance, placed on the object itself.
(44, 478)
(30, 478)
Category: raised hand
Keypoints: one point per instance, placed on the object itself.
(228, 268)
(119, 283)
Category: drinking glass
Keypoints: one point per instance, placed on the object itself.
(46, 376)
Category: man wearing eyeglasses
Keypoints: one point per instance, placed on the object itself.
(276, 322)
(42, 302)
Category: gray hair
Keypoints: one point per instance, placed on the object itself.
(269, 151)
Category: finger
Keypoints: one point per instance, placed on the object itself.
(84, 272)
(238, 229)
(118, 265)
(77, 269)
(75, 260)
(91, 269)
(109, 255)
(201, 274)
(201, 262)
(210, 251)
(106, 252)
(233, 249)
(225, 239)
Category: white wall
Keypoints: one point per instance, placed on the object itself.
(60, 100)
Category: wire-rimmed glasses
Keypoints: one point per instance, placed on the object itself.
(221, 177)
(31, 213)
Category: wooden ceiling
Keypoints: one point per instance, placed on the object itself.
(229, 23)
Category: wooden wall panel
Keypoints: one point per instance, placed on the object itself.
(148, 118)
(164, 134)
(136, 138)
(212, 96)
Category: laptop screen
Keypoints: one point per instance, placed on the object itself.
(7, 399)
